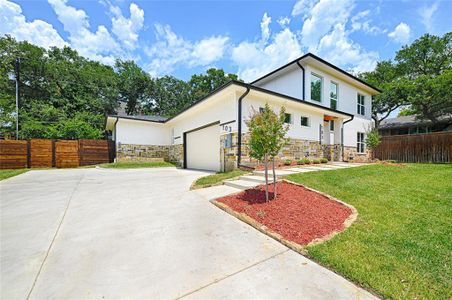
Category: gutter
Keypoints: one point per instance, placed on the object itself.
(116, 147)
(239, 128)
(342, 135)
(304, 80)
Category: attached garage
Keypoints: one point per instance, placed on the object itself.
(202, 148)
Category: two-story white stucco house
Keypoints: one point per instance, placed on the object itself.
(328, 109)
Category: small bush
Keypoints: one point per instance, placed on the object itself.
(300, 162)
(287, 162)
(324, 160)
(316, 161)
(307, 161)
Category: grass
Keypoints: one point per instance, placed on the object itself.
(11, 173)
(134, 165)
(401, 244)
(217, 178)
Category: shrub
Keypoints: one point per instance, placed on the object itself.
(316, 161)
(307, 161)
(287, 162)
(300, 162)
(324, 160)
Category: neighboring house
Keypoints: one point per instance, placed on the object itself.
(410, 125)
(328, 109)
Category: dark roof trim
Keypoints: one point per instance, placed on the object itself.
(322, 61)
(136, 119)
(245, 85)
(256, 88)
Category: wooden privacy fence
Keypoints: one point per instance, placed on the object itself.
(42, 153)
(431, 147)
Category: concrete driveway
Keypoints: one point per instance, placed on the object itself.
(134, 234)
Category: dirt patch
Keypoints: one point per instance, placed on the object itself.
(299, 214)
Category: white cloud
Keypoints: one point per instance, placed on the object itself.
(426, 14)
(254, 59)
(284, 21)
(265, 30)
(209, 50)
(401, 33)
(126, 29)
(302, 6)
(170, 50)
(361, 21)
(323, 16)
(99, 45)
(38, 32)
(339, 49)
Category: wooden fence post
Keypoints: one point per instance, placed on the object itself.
(28, 154)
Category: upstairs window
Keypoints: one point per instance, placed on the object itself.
(304, 121)
(360, 142)
(316, 88)
(288, 118)
(361, 108)
(333, 95)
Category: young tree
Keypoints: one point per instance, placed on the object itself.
(267, 131)
(278, 131)
(373, 138)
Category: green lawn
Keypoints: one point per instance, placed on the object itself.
(401, 244)
(217, 178)
(10, 173)
(134, 165)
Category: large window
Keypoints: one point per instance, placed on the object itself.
(316, 88)
(361, 107)
(333, 95)
(304, 121)
(331, 125)
(360, 142)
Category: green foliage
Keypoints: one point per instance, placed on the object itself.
(307, 161)
(407, 111)
(64, 95)
(373, 139)
(323, 160)
(316, 161)
(300, 162)
(287, 162)
(420, 77)
(218, 178)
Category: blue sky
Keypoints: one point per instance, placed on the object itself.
(249, 38)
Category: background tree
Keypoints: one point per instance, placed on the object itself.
(419, 78)
(203, 84)
(133, 85)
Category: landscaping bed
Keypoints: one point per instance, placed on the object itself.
(299, 215)
(136, 165)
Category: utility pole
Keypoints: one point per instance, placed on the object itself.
(17, 71)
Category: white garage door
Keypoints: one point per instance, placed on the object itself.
(203, 148)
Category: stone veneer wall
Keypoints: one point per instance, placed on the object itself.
(134, 152)
(352, 155)
(332, 152)
(295, 150)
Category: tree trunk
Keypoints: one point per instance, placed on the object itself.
(274, 178)
(266, 177)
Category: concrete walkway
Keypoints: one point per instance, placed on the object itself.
(140, 234)
(257, 178)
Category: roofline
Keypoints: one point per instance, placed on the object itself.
(135, 119)
(256, 88)
(322, 61)
(245, 85)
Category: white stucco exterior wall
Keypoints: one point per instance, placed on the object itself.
(289, 83)
(220, 108)
(142, 133)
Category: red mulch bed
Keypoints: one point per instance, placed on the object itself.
(298, 214)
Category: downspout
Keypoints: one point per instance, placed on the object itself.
(304, 81)
(239, 128)
(342, 134)
(114, 137)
